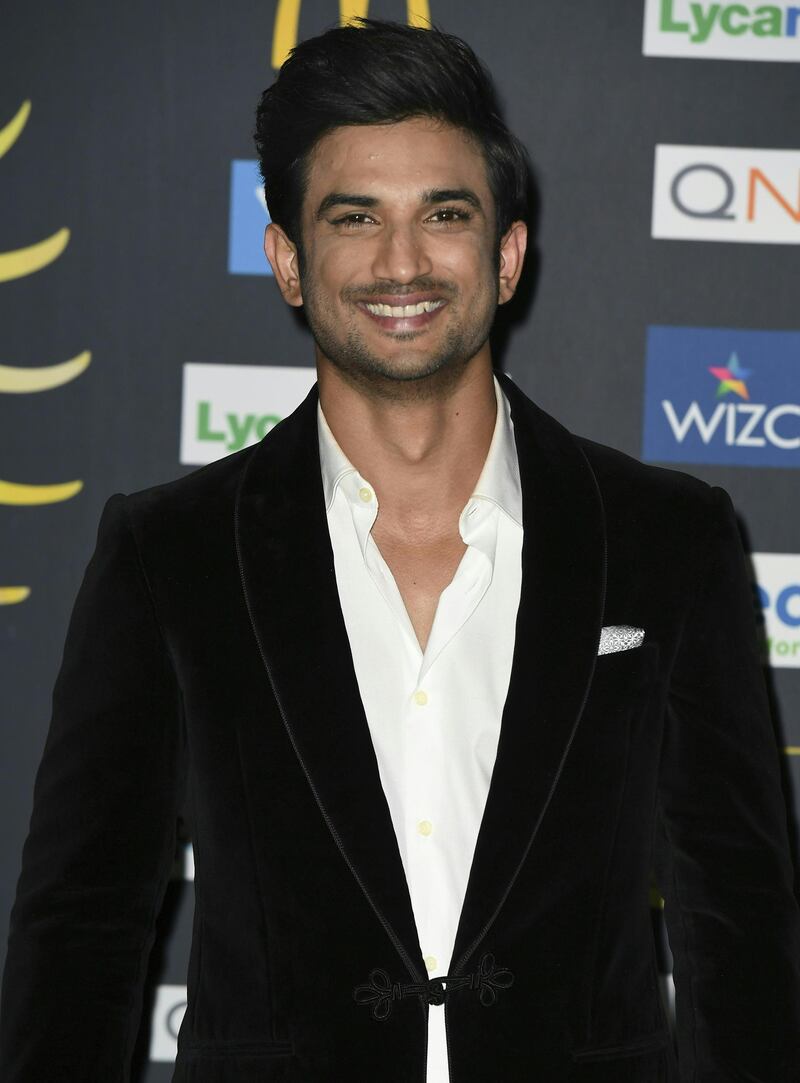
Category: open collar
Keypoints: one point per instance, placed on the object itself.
(499, 481)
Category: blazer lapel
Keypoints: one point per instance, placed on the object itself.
(289, 582)
(557, 634)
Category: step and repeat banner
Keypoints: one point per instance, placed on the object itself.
(142, 335)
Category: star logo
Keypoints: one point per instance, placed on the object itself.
(731, 378)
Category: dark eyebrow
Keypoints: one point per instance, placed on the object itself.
(452, 195)
(432, 195)
(338, 199)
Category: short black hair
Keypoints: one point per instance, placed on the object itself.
(377, 72)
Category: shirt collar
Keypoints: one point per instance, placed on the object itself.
(335, 464)
(499, 481)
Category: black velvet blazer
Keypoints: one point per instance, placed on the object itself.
(207, 646)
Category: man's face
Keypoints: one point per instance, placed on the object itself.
(400, 271)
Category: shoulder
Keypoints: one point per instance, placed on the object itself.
(655, 504)
(625, 484)
(206, 486)
(639, 500)
(622, 476)
(187, 510)
(212, 490)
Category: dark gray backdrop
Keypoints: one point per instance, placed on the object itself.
(138, 111)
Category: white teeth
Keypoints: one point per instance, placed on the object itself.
(400, 311)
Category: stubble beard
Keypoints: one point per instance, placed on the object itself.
(400, 378)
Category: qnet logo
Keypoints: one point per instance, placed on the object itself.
(168, 1012)
(722, 395)
(748, 194)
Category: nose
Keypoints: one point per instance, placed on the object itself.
(401, 255)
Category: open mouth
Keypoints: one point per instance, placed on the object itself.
(409, 316)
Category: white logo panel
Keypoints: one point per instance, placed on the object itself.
(168, 1013)
(726, 194)
(778, 586)
(228, 407)
(722, 31)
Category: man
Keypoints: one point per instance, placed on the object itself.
(445, 683)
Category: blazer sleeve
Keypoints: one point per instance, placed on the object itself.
(725, 869)
(97, 858)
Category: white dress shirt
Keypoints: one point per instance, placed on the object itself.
(434, 716)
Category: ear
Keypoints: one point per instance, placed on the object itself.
(512, 255)
(282, 255)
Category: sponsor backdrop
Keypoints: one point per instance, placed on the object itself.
(141, 333)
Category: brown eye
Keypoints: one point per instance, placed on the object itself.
(449, 215)
(356, 218)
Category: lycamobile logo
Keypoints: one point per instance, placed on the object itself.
(233, 430)
(228, 407)
(765, 21)
(726, 31)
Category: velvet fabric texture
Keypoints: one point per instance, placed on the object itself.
(207, 648)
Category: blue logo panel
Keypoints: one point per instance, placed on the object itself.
(722, 395)
(248, 218)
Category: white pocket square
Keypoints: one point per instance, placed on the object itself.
(619, 637)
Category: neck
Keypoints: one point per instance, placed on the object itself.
(422, 455)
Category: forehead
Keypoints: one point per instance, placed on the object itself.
(396, 160)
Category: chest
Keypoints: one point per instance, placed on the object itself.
(421, 570)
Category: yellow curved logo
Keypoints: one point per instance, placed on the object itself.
(11, 132)
(44, 377)
(13, 494)
(15, 380)
(287, 18)
(25, 261)
(12, 595)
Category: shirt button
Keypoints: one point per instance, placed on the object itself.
(365, 494)
(420, 698)
(430, 962)
(424, 827)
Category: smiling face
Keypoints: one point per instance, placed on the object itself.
(401, 274)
